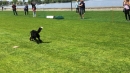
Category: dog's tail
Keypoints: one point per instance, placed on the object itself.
(39, 29)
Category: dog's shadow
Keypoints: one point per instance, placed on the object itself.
(46, 42)
(40, 42)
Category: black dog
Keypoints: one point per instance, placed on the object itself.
(35, 35)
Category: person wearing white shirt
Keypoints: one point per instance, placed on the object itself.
(77, 6)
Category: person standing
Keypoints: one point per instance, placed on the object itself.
(14, 9)
(126, 5)
(77, 6)
(84, 8)
(81, 9)
(2, 8)
(26, 9)
(33, 8)
(34, 11)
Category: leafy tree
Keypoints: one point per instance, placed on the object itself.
(0, 2)
(29, 1)
(15, 1)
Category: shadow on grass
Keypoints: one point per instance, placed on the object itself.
(46, 42)
(40, 41)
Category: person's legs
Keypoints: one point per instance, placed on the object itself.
(34, 13)
(2, 8)
(125, 14)
(82, 13)
(77, 10)
(83, 16)
(128, 15)
(27, 12)
(16, 12)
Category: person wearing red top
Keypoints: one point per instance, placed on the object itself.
(14, 9)
(33, 8)
(34, 11)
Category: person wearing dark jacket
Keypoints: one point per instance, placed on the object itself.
(33, 4)
(14, 9)
(81, 9)
(26, 9)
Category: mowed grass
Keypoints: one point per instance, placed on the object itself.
(100, 43)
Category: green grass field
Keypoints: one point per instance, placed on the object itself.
(100, 43)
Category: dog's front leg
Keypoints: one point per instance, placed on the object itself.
(40, 41)
(31, 39)
(37, 41)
